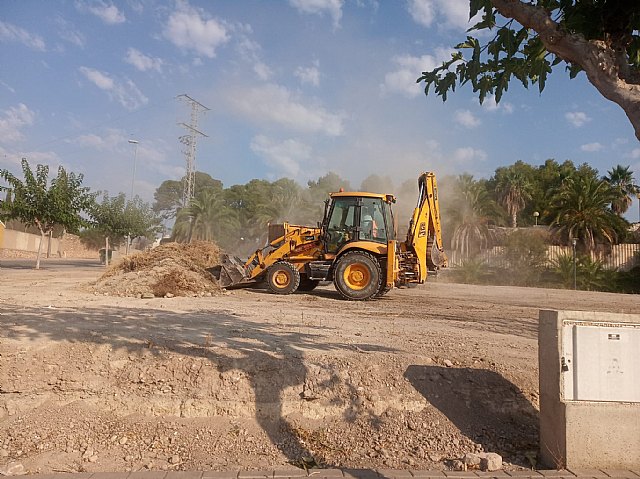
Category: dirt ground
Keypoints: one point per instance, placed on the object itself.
(251, 380)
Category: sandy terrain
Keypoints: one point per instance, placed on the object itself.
(251, 380)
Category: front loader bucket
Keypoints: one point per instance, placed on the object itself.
(230, 272)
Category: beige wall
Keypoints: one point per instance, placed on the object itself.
(582, 434)
(17, 240)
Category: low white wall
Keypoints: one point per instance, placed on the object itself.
(17, 240)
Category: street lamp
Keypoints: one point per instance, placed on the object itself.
(133, 180)
(535, 215)
(135, 157)
(573, 242)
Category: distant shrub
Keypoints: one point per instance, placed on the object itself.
(525, 253)
(471, 271)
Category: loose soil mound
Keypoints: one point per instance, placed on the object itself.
(172, 269)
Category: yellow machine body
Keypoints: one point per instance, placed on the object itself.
(355, 246)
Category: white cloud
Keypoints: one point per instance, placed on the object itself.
(250, 52)
(449, 13)
(577, 118)
(262, 70)
(13, 120)
(74, 37)
(9, 32)
(490, 104)
(107, 12)
(403, 79)
(422, 11)
(286, 156)
(190, 28)
(275, 104)
(468, 155)
(310, 74)
(8, 87)
(466, 119)
(634, 154)
(592, 147)
(319, 7)
(143, 62)
(124, 92)
(99, 79)
(108, 142)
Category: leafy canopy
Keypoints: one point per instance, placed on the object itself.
(531, 38)
(117, 218)
(36, 202)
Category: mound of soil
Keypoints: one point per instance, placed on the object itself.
(172, 269)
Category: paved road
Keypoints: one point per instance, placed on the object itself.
(51, 264)
(352, 474)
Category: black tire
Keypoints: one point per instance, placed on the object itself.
(283, 278)
(307, 284)
(357, 276)
(384, 289)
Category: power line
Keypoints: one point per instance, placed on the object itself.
(189, 141)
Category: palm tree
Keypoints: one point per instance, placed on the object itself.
(206, 218)
(469, 211)
(621, 180)
(513, 190)
(581, 210)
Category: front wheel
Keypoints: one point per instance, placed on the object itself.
(283, 278)
(358, 276)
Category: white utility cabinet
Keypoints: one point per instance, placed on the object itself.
(600, 361)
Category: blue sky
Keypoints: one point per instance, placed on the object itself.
(295, 88)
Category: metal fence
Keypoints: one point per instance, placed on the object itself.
(621, 257)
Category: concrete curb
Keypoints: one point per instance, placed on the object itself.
(352, 474)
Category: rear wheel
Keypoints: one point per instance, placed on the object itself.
(358, 276)
(307, 284)
(283, 278)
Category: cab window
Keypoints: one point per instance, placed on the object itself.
(372, 220)
(341, 224)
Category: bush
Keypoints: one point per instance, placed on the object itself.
(471, 270)
(526, 255)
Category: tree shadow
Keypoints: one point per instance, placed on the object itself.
(270, 354)
(483, 405)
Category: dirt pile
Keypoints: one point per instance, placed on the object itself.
(173, 269)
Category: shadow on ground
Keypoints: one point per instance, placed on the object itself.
(270, 355)
(486, 407)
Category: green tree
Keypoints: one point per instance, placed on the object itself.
(529, 38)
(526, 253)
(581, 211)
(513, 190)
(207, 218)
(115, 219)
(37, 202)
(621, 180)
(317, 193)
(168, 197)
(377, 184)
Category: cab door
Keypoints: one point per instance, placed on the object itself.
(342, 224)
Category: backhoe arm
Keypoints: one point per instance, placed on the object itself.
(424, 237)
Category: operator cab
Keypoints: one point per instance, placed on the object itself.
(358, 217)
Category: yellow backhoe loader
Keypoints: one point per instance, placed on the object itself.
(354, 246)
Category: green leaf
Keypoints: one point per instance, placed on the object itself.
(476, 5)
